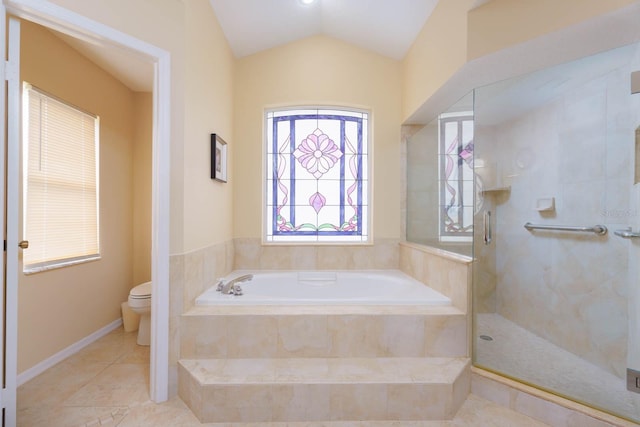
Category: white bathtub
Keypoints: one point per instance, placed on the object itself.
(364, 287)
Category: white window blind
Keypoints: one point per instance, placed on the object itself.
(60, 182)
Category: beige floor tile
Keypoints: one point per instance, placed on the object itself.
(173, 413)
(139, 354)
(101, 353)
(71, 416)
(125, 394)
(44, 396)
(118, 374)
(71, 372)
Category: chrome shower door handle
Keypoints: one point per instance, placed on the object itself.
(487, 227)
(627, 233)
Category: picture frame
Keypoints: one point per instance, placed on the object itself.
(218, 158)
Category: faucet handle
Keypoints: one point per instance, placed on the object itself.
(220, 285)
(236, 290)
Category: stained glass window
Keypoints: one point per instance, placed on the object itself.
(317, 176)
(456, 177)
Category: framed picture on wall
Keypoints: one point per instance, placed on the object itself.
(218, 158)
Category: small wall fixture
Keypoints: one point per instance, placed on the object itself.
(547, 204)
(635, 82)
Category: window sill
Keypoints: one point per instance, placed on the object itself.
(42, 267)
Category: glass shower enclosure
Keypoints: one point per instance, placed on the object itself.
(537, 178)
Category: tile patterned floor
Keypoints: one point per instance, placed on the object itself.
(106, 384)
(517, 352)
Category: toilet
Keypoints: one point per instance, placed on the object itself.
(140, 303)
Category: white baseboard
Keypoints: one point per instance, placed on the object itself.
(61, 355)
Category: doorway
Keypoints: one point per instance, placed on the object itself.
(73, 25)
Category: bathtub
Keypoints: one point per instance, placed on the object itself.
(363, 287)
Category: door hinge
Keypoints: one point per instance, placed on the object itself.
(11, 72)
(5, 246)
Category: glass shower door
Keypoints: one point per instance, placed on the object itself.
(555, 302)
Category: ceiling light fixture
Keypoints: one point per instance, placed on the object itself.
(306, 2)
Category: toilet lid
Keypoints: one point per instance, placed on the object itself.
(141, 291)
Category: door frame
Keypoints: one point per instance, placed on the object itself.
(9, 168)
(71, 23)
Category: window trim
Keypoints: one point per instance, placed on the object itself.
(367, 196)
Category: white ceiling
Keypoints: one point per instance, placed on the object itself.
(387, 27)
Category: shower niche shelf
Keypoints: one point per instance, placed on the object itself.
(496, 190)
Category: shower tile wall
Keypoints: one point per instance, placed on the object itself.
(423, 196)
(569, 289)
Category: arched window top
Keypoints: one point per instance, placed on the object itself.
(317, 176)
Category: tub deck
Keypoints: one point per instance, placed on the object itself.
(276, 309)
(325, 287)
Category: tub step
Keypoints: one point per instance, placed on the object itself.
(324, 389)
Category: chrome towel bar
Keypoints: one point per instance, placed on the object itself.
(598, 229)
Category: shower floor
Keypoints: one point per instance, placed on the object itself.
(520, 354)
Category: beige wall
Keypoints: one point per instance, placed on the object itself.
(142, 152)
(499, 24)
(316, 71)
(209, 92)
(437, 53)
(59, 307)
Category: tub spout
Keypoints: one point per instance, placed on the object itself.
(232, 287)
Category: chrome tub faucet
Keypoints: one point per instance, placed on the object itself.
(232, 287)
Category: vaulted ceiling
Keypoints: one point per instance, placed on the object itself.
(387, 27)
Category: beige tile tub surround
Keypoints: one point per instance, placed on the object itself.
(324, 389)
(190, 275)
(202, 267)
(446, 272)
(251, 254)
(323, 363)
(316, 331)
